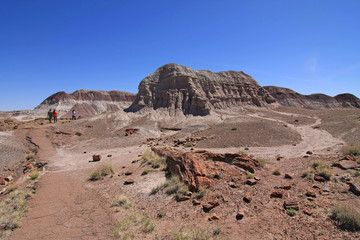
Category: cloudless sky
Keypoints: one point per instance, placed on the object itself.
(46, 46)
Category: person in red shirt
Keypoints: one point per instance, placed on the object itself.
(55, 115)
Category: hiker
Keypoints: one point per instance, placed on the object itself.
(55, 115)
(50, 115)
(73, 115)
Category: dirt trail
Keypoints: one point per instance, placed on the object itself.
(63, 207)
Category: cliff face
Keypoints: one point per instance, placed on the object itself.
(288, 97)
(178, 88)
(85, 102)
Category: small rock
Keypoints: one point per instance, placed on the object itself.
(251, 182)
(129, 181)
(182, 198)
(8, 179)
(288, 176)
(214, 217)
(319, 178)
(326, 189)
(109, 155)
(127, 173)
(246, 149)
(196, 202)
(240, 214)
(78, 134)
(311, 193)
(2, 181)
(233, 185)
(354, 189)
(307, 212)
(309, 152)
(257, 178)
(210, 205)
(96, 157)
(278, 157)
(289, 204)
(247, 197)
(84, 152)
(316, 186)
(277, 194)
(286, 187)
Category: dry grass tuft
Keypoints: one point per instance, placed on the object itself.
(353, 150)
(347, 216)
(34, 174)
(154, 160)
(323, 169)
(122, 201)
(30, 156)
(101, 172)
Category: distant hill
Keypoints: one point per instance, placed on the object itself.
(288, 97)
(85, 102)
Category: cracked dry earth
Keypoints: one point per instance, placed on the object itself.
(63, 207)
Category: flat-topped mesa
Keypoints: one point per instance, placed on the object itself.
(288, 97)
(85, 102)
(179, 88)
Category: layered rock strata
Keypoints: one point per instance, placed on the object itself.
(179, 88)
(85, 102)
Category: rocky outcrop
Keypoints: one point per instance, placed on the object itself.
(193, 169)
(288, 97)
(85, 102)
(181, 89)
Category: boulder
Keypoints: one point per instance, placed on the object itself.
(196, 202)
(96, 157)
(277, 194)
(354, 189)
(347, 164)
(210, 205)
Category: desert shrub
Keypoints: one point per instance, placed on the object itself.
(291, 212)
(147, 225)
(353, 150)
(189, 144)
(277, 171)
(34, 174)
(217, 231)
(101, 172)
(12, 187)
(143, 222)
(11, 211)
(250, 175)
(30, 156)
(122, 201)
(262, 162)
(323, 169)
(307, 173)
(161, 213)
(200, 193)
(197, 234)
(244, 153)
(357, 174)
(347, 216)
(173, 185)
(233, 128)
(154, 160)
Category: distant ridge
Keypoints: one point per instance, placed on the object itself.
(85, 102)
(288, 97)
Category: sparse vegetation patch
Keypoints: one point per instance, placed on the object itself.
(122, 201)
(154, 160)
(323, 169)
(144, 223)
(30, 156)
(347, 217)
(101, 172)
(353, 150)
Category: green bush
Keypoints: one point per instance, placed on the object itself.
(101, 172)
(30, 156)
(347, 216)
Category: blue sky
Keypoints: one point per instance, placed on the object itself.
(50, 46)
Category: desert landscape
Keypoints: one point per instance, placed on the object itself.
(192, 155)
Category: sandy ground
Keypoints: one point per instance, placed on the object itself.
(69, 206)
